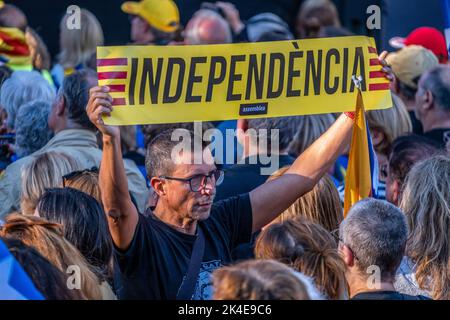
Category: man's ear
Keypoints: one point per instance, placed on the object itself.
(60, 106)
(348, 256)
(158, 186)
(429, 100)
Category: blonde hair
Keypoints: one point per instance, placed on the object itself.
(321, 205)
(47, 238)
(258, 280)
(44, 171)
(78, 45)
(310, 127)
(86, 182)
(426, 203)
(308, 248)
(393, 123)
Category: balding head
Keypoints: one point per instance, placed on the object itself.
(12, 17)
(207, 27)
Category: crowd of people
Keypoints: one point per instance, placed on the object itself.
(137, 223)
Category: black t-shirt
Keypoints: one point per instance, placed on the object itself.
(438, 135)
(243, 178)
(158, 258)
(387, 295)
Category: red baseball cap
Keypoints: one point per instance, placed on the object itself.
(427, 37)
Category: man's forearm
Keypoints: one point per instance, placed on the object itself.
(113, 180)
(314, 162)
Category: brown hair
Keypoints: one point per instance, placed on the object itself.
(258, 280)
(47, 239)
(308, 248)
(321, 205)
(426, 204)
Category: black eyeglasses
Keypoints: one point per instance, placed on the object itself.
(199, 181)
(75, 174)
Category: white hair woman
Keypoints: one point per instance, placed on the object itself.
(20, 88)
(32, 131)
(426, 204)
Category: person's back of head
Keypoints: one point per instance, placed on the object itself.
(47, 238)
(260, 280)
(85, 181)
(23, 87)
(374, 233)
(74, 94)
(49, 280)
(310, 128)
(84, 225)
(207, 27)
(32, 131)
(405, 152)
(78, 44)
(46, 170)
(267, 26)
(425, 201)
(308, 248)
(279, 130)
(12, 17)
(315, 14)
(321, 205)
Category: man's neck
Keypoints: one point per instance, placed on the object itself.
(362, 285)
(66, 126)
(437, 122)
(172, 218)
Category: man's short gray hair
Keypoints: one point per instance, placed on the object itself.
(438, 82)
(32, 131)
(376, 232)
(20, 88)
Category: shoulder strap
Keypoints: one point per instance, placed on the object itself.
(187, 286)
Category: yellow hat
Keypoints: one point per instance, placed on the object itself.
(409, 63)
(161, 14)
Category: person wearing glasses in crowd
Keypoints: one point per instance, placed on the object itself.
(171, 252)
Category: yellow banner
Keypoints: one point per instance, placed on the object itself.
(168, 84)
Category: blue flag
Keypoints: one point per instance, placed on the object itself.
(15, 284)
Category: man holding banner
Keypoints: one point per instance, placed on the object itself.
(170, 253)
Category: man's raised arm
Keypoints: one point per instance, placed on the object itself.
(272, 198)
(122, 215)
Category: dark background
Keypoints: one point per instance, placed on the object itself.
(399, 17)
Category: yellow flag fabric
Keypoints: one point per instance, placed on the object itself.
(167, 84)
(358, 178)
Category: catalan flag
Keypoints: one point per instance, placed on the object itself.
(361, 179)
(14, 47)
(15, 284)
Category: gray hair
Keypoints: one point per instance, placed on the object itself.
(376, 232)
(438, 82)
(220, 31)
(32, 131)
(21, 87)
(286, 126)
